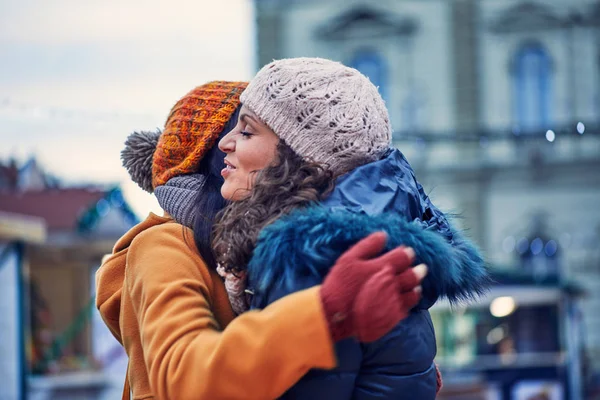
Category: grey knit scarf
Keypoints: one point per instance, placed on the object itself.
(178, 196)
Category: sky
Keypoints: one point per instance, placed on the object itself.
(76, 77)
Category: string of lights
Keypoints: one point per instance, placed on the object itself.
(484, 136)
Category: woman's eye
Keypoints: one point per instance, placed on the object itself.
(245, 134)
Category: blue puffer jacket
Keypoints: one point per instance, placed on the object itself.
(297, 251)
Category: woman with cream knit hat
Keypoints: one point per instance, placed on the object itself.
(310, 170)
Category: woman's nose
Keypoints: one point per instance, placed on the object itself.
(227, 143)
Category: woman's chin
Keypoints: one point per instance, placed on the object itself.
(232, 192)
(225, 192)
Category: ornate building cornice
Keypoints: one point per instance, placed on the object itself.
(379, 24)
(527, 17)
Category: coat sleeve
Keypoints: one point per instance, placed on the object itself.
(258, 356)
(318, 383)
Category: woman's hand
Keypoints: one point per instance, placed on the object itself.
(367, 293)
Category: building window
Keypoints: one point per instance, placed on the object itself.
(532, 95)
(371, 64)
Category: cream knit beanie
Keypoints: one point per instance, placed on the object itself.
(325, 111)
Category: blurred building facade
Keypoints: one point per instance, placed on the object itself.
(56, 236)
(496, 103)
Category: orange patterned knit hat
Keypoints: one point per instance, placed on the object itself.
(192, 128)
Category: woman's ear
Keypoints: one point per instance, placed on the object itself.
(137, 157)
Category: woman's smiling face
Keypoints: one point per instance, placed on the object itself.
(249, 147)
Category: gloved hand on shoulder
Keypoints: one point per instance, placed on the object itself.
(366, 293)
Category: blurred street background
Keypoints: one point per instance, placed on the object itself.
(496, 104)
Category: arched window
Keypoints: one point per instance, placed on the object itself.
(532, 91)
(371, 64)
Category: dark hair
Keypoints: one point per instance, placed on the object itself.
(289, 183)
(209, 200)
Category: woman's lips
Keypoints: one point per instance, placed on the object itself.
(229, 168)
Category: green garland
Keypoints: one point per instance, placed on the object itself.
(113, 198)
(56, 350)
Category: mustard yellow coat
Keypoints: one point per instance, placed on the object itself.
(172, 315)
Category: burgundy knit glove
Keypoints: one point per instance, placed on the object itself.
(366, 294)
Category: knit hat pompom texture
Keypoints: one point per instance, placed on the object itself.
(192, 129)
(137, 157)
(323, 110)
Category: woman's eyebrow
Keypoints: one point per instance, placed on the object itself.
(243, 117)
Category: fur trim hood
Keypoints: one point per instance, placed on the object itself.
(383, 195)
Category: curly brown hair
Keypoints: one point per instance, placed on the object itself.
(289, 183)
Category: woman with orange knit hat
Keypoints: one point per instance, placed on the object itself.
(162, 298)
